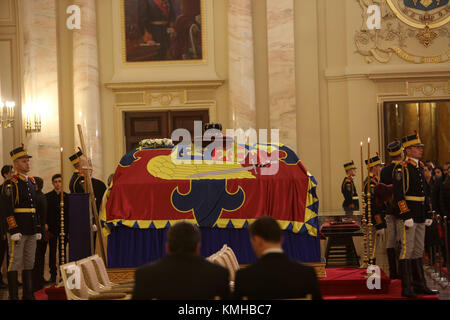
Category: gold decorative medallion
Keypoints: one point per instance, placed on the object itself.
(400, 24)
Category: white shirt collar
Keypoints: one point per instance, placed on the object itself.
(272, 250)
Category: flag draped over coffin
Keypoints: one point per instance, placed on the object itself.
(151, 191)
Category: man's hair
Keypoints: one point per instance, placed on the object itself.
(56, 176)
(267, 228)
(6, 169)
(39, 183)
(183, 237)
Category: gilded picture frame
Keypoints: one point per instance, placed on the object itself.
(163, 32)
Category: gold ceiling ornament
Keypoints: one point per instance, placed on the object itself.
(403, 21)
(426, 36)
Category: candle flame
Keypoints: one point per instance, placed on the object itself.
(360, 144)
(368, 140)
(62, 149)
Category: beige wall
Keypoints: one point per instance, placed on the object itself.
(338, 94)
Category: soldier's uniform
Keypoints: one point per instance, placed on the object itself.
(19, 197)
(377, 216)
(348, 190)
(412, 203)
(387, 177)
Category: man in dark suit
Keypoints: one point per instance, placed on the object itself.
(54, 223)
(182, 274)
(7, 173)
(274, 275)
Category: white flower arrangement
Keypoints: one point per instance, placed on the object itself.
(155, 143)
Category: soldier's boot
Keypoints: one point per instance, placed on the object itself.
(13, 288)
(27, 280)
(419, 281)
(405, 273)
(392, 260)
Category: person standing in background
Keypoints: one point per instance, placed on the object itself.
(54, 222)
(7, 173)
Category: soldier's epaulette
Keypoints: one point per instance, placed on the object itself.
(421, 164)
(14, 179)
(32, 180)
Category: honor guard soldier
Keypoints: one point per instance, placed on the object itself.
(19, 197)
(76, 184)
(348, 189)
(414, 212)
(387, 177)
(377, 216)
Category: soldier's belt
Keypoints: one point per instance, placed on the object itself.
(355, 198)
(159, 23)
(25, 210)
(414, 198)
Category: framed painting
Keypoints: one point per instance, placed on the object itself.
(163, 31)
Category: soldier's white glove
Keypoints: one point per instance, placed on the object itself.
(428, 222)
(38, 236)
(409, 223)
(94, 228)
(16, 237)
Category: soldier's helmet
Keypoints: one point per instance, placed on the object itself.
(374, 161)
(19, 152)
(395, 148)
(412, 141)
(349, 165)
(75, 158)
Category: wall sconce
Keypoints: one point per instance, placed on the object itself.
(8, 120)
(32, 121)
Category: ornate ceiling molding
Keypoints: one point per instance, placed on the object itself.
(403, 22)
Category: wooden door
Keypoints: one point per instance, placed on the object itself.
(159, 124)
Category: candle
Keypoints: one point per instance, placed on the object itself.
(368, 165)
(62, 174)
(362, 168)
(1, 110)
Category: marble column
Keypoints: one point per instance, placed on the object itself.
(241, 64)
(443, 141)
(87, 110)
(281, 56)
(40, 90)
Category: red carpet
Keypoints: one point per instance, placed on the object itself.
(51, 293)
(340, 284)
(350, 284)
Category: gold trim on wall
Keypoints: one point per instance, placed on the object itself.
(164, 62)
(10, 21)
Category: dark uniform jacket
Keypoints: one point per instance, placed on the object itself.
(19, 194)
(54, 213)
(276, 276)
(348, 189)
(377, 213)
(411, 194)
(387, 177)
(181, 276)
(3, 224)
